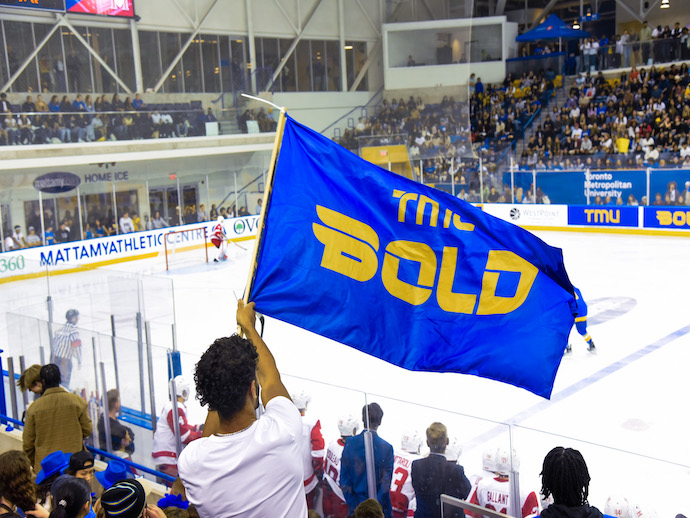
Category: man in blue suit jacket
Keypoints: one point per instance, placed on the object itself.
(353, 474)
(435, 475)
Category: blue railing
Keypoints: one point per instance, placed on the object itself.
(131, 464)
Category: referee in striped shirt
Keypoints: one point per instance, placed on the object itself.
(66, 346)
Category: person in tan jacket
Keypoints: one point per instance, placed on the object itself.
(58, 420)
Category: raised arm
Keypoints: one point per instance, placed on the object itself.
(266, 371)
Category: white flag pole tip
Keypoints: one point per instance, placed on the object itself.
(263, 101)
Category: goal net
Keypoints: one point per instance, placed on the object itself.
(186, 247)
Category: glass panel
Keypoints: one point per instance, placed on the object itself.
(288, 75)
(102, 42)
(125, 57)
(150, 58)
(77, 62)
(212, 69)
(225, 61)
(360, 58)
(170, 47)
(4, 76)
(192, 66)
(20, 43)
(319, 67)
(303, 66)
(238, 65)
(48, 56)
(333, 65)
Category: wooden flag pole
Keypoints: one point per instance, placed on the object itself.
(267, 199)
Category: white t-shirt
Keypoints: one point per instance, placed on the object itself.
(253, 473)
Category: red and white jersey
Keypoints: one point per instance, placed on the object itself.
(402, 493)
(331, 470)
(494, 493)
(313, 451)
(474, 480)
(218, 234)
(164, 447)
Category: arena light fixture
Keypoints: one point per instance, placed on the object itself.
(576, 25)
(665, 4)
(348, 47)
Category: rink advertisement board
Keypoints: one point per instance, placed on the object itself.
(68, 257)
(667, 217)
(596, 215)
(529, 215)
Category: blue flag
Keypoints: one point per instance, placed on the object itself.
(407, 273)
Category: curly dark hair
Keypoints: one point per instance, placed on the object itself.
(565, 475)
(224, 374)
(16, 484)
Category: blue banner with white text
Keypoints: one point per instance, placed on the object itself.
(407, 273)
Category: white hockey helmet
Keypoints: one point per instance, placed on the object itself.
(301, 399)
(489, 460)
(348, 425)
(411, 441)
(454, 449)
(504, 465)
(617, 505)
(182, 387)
(221, 219)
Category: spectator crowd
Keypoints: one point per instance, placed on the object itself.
(87, 119)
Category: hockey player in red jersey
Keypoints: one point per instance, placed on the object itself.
(313, 450)
(219, 239)
(334, 504)
(164, 443)
(402, 492)
(494, 492)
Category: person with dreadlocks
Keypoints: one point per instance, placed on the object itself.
(564, 475)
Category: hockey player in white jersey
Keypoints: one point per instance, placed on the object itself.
(488, 469)
(494, 492)
(220, 240)
(402, 492)
(334, 504)
(164, 443)
(313, 449)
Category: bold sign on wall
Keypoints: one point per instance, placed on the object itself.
(124, 8)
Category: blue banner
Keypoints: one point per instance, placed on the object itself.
(407, 273)
(594, 215)
(574, 187)
(667, 217)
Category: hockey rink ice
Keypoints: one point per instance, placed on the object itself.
(625, 408)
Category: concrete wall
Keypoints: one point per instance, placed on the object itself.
(320, 109)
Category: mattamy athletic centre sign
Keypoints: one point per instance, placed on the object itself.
(93, 253)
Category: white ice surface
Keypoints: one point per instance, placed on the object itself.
(627, 414)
